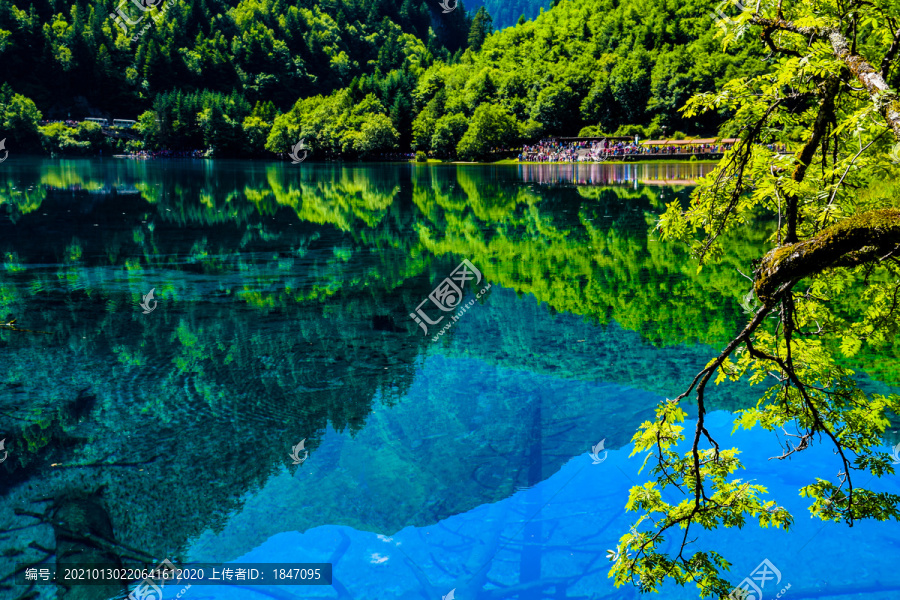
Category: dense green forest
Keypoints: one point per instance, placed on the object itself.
(251, 78)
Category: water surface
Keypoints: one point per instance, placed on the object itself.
(284, 295)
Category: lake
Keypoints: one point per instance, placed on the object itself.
(294, 390)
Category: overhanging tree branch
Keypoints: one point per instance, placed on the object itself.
(872, 80)
(874, 232)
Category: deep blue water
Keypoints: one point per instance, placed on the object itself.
(566, 523)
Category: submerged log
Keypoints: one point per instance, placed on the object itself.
(79, 521)
(855, 241)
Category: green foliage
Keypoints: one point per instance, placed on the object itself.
(594, 63)
(19, 119)
(256, 132)
(421, 157)
(376, 134)
(735, 498)
(201, 120)
(448, 132)
(491, 126)
(482, 26)
(85, 138)
(269, 51)
(148, 126)
(199, 67)
(826, 212)
(336, 124)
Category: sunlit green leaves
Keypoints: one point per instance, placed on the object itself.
(803, 164)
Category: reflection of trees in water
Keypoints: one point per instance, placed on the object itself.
(594, 254)
(588, 253)
(194, 410)
(216, 392)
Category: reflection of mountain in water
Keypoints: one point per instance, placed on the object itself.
(516, 394)
(284, 298)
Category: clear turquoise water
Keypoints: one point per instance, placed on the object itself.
(284, 296)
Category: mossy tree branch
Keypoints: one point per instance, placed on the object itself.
(862, 238)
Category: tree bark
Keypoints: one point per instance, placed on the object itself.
(806, 154)
(860, 239)
(879, 91)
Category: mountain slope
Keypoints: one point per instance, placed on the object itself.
(600, 64)
(55, 52)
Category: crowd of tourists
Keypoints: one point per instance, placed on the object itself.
(167, 154)
(599, 150)
(550, 151)
(68, 122)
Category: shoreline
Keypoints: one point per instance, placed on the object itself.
(431, 161)
(508, 161)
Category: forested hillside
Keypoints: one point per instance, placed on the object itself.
(56, 51)
(354, 77)
(594, 64)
